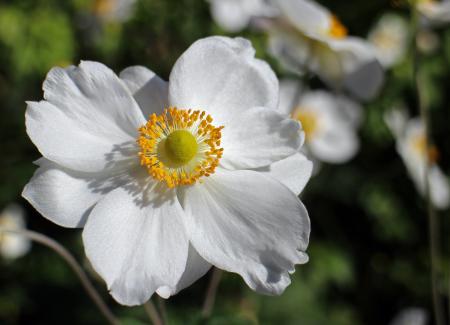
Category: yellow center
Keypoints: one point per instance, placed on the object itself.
(337, 29)
(419, 144)
(308, 120)
(180, 146)
(103, 7)
(386, 40)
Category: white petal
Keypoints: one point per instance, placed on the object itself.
(258, 137)
(292, 50)
(390, 38)
(365, 82)
(439, 188)
(66, 197)
(221, 75)
(196, 267)
(308, 16)
(88, 120)
(293, 172)
(411, 316)
(396, 119)
(137, 248)
(248, 223)
(349, 110)
(363, 74)
(335, 139)
(231, 15)
(436, 13)
(149, 90)
(339, 144)
(290, 93)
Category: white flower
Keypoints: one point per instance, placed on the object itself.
(161, 200)
(113, 10)
(313, 38)
(427, 40)
(13, 245)
(411, 316)
(411, 146)
(390, 39)
(434, 12)
(235, 15)
(329, 121)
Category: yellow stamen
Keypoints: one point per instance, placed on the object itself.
(180, 146)
(337, 29)
(309, 121)
(419, 144)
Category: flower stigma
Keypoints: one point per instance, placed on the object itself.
(309, 121)
(336, 29)
(180, 146)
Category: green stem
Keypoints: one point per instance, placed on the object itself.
(211, 292)
(71, 261)
(152, 313)
(433, 221)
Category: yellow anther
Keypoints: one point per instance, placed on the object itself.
(336, 29)
(179, 146)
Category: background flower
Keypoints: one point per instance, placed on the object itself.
(235, 15)
(434, 13)
(312, 38)
(411, 146)
(330, 122)
(390, 37)
(12, 245)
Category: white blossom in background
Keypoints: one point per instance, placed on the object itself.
(235, 15)
(427, 41)
(212, 179)
(12, 245)
(113, 10)
(390, 38)
(309, 37)
(330, 122)
(411, 316)
(411, 146)
(434, 13)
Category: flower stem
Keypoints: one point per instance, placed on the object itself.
(211, 293)
(162, 310)
(433, 222)
(152, 313)
(71, 261)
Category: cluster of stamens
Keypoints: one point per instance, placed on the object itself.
(337, 29)
(180, 146)
(420, 145)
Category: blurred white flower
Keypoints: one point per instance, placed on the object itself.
(411, 146)
(427, 41)
(434, 12)
(330, 122)
(235, 15)
(161, 200)
(312, 38)
(113, 10)
(13, 245)
(390, 38)
(411, 316)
